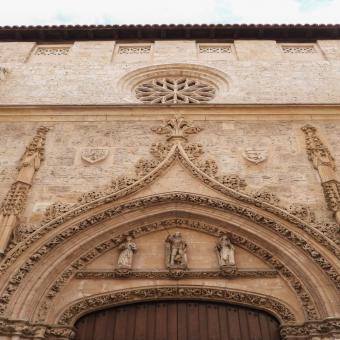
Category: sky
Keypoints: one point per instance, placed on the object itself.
(64, 12)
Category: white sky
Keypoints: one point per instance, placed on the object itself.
(47, 12)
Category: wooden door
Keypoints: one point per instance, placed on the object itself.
(178, 320)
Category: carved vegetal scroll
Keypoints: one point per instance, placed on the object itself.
(324, 163)
(14, 202)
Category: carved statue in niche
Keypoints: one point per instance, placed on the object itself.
(225, 251)
(176, 251)
(127, 248)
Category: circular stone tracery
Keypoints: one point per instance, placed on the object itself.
(175, 91)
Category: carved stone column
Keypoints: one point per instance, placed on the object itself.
(323, 162)
(15, 200)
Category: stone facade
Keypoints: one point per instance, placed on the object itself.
(256, 160)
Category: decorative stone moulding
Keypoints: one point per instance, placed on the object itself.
(83, 306)
(174, 84)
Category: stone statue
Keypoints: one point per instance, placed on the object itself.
(175, 251)
(226, 252)
(128, 248)
(30, 161)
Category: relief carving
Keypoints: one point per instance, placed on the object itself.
(323, 161)
(177, 128)
(94, 155)
(26, 330)
(179, 292)
(266, 197)
(180, 275)
(303, 212)
(255, 155)
(15, 200)
(227, 272)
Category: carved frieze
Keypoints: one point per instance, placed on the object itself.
(321, 329)
(26, 330)
(185, 274)
(179, 292)
(303, 212)
(266, 197)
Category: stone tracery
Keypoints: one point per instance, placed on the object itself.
(175, 91)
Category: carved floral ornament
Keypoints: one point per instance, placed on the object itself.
(164, 154)
(273, 306)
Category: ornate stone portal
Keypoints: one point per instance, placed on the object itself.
(176, 148)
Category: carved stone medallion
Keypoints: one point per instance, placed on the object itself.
(94, 155)
(255, 155)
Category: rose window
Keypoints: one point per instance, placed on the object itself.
(175, 91)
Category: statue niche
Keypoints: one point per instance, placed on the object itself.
(225, 252)
(176, 252)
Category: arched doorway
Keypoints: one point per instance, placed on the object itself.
(178, 320)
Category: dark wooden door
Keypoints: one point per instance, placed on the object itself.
(178, 320)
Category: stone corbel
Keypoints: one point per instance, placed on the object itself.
(323, 161)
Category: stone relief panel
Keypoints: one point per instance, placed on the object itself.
(200, 251)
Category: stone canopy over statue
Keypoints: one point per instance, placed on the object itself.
(176, 252)
(225, 251)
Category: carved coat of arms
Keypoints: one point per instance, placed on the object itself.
(255, 155)
(94, 155)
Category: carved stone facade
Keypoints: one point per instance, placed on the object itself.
(174, 178)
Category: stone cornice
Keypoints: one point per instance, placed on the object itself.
(299, 33)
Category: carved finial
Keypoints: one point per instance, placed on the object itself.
(15, 200)
(177, 128)
(323, 161)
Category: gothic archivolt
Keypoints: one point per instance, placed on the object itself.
(294, 224)
(76, 268)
